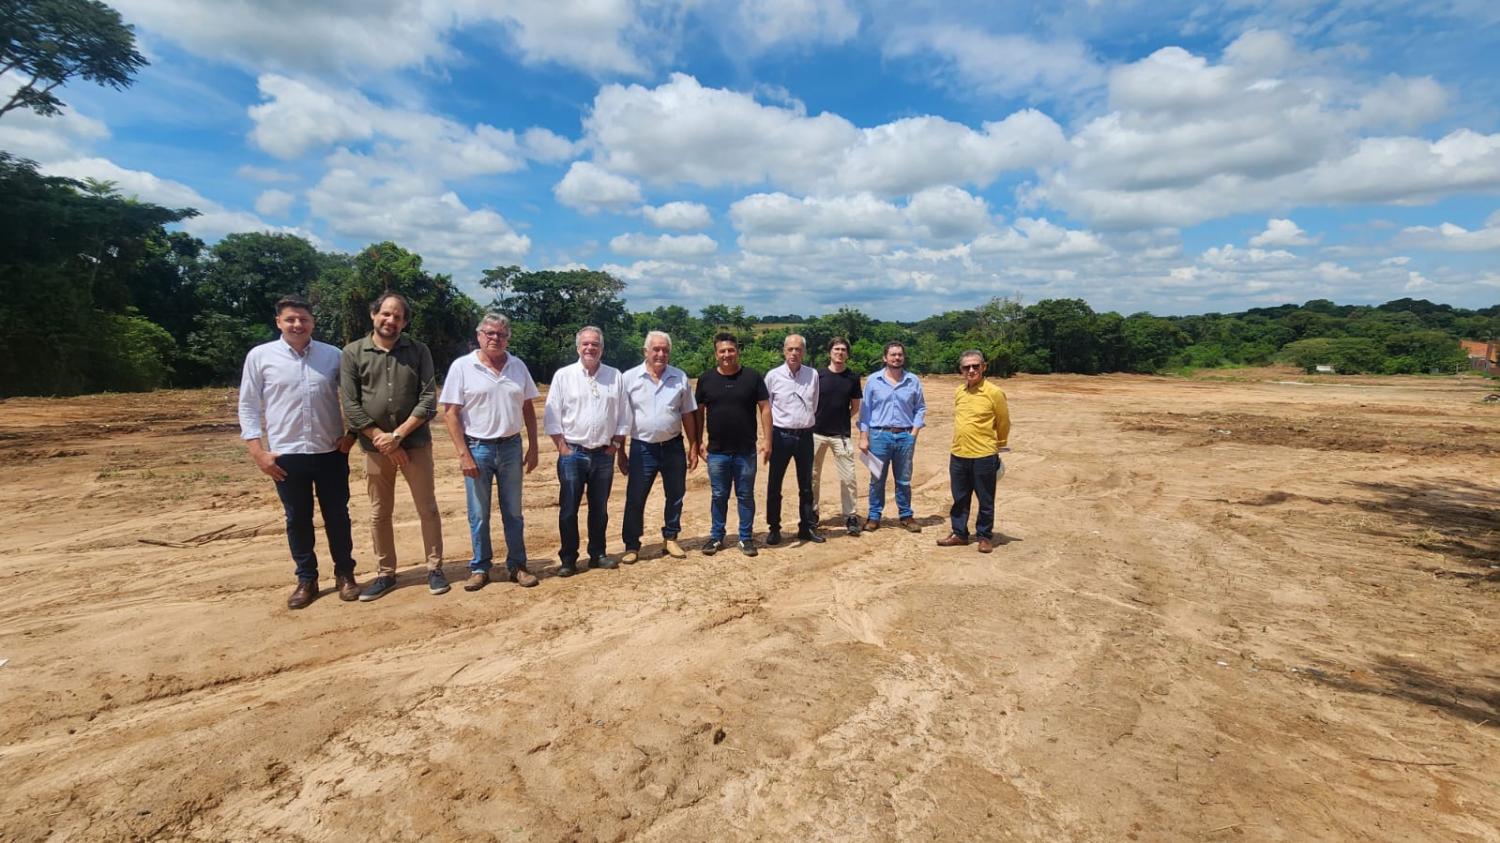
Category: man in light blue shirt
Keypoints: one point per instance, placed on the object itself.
(660, 402)
(289, 393)
(893, 412)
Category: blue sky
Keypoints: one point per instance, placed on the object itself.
(800, 156)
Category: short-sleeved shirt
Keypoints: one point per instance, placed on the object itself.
(794, 398)
(837, 392)
(981, 421)
(657, 407)
(731, 401)
(489, 404)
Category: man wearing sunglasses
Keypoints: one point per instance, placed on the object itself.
(981, 427)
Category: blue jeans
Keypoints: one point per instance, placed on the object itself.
(724, 470)
(583, 472)
(788, 446)
(497, 461)
(896, 450)
(973, 476)
(646, 461)
(327, 476)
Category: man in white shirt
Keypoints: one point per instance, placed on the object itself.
(289, 393)
(486, 400)
(587, 418)
(793, 388)
(661, 407)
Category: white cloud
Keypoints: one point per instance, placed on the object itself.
(213, 220)
(948, 212)
(1448, 237)
(768, 22)
(664, 245)
(274, 203)
(861, 216)
(682, 132)
(1006, 65)
(1040, 238)
(29, 135)
(418, 214)
(590, 189)
(596, 36)
(1280, 232)
(682, 216)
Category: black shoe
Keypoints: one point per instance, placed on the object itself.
(713, 546)
(606, 562)
(377, 589)
(852, 525)
(437, 583)
(773, 538)
(567, 570)
(810, 535)
(748, 548)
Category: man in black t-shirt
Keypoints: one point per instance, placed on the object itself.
(734, 409)
(838, 401)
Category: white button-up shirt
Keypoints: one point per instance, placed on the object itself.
(656, 408)
(794, 398)
(587, 411)
(292, 398)
(489, 405)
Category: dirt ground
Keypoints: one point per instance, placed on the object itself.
(1251, 608)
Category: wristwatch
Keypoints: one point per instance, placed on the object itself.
(396, 436)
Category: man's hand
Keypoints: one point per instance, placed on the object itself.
(467, 465)
(692, 458)
(703, 451)
(266, 462)
(399, 457)
(864, 442)
(564, 449)
(622, 462)
(531, 459)
(765, 452)
(385, 443)
(346, 442)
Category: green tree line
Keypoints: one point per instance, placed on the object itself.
(97, 293)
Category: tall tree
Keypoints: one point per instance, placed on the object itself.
(548, 307)
(49, 42)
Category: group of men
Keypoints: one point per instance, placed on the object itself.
(311, 403)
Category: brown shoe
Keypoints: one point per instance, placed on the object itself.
(630, 557)
(911, 525)
(872, 524)
(521, 577)
(477, 580)
(673, 549)
(985, 545)
(348, 587)
(952, 540)
(306, 593)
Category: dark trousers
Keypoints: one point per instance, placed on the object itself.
(973, 476)
(646, 461)
(327, 477)
(583, 473)
(788, 445)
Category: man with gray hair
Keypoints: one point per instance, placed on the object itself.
(793, 390)
(587, 417)
(981, 428)
(661, 407)
(486, 400)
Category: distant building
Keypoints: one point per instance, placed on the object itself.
(1484, 355)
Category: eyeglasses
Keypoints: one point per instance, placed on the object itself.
(970, 367)
(495, 335)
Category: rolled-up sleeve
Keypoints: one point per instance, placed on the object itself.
(427, 399)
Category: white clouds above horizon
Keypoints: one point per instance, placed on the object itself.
(682, 216)
(1280, 232)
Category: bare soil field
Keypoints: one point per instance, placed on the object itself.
(1259, 608)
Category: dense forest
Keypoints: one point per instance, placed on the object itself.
(97, 293)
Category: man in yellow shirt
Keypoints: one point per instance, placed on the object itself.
(981, 427)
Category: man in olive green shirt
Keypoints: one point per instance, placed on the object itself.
(389, 393)
(981, 428)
